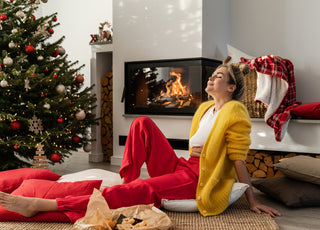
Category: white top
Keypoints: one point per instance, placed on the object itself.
(205, 126)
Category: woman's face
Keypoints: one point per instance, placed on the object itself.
(218, 85)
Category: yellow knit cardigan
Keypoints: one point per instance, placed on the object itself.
(229, 140)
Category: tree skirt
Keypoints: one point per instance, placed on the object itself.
(237, 216)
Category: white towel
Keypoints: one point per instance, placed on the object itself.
(270, 91)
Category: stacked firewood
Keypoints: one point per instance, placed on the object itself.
(106, 116)
(260, 163)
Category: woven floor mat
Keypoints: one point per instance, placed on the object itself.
(236, 217)
(34, 226)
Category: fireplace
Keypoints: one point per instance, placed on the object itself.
(166, 87)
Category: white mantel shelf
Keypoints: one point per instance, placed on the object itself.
(302, 136)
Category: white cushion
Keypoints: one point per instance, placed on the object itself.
(236, 54)
(190, 205)
(108, 178)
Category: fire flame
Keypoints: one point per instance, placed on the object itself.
(175, 89)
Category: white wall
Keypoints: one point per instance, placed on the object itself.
(288, 28)
(78, 19)
(216, 28)
(166, 29)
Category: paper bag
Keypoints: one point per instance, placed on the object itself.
(98, 211)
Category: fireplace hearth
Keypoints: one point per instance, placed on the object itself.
(166, 87)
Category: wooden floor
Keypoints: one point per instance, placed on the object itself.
(291, 219)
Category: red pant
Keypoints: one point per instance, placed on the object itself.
(170, 177)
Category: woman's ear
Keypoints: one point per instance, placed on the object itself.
(232, 88)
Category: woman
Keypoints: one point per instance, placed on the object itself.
(219, 142)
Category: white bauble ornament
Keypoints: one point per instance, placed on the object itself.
(20, 14)
(7, 61)
(61, 89)
(47, 106)
(80, 115)
(62, 51)
(15, 30)
(12, 45)
(4, 83)
(87, 148)
(40, 58)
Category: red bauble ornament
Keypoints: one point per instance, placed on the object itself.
(29, 49)
(55, 157)
(42, 95)
(55, 75)
(16, 146)
(3, 17)
(51, 31)
(15, 125)
(54, 19)
(79, 79)
(55, 53)
(46, 69)
(60, 120)
(76, 139)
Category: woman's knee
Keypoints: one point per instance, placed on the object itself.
(142, 121)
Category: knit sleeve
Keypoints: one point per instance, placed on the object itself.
(238, 134)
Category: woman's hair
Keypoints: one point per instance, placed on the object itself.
(236, 74)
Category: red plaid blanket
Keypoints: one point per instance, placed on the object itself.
(282, 68)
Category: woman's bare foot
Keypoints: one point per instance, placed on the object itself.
(26, 206)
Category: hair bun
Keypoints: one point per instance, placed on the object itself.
(244, 68)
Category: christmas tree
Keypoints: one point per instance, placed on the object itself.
(44, 107)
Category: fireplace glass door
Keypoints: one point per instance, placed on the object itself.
(166, 87)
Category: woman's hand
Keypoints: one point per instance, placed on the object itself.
(196, 151)
(258, 208)
(243, 177)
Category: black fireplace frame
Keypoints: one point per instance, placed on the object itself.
(208, 66)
